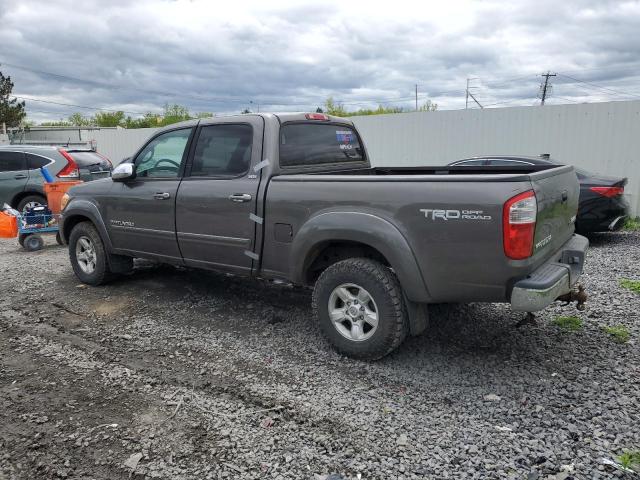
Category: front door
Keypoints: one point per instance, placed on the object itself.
(13, 175)
(218, 195)
(140, 212)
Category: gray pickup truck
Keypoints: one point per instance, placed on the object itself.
(293, 198)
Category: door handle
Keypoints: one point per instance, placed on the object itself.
(240, 197)
(20, 176)
(161, 195)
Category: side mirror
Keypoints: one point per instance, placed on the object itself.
(123, 171)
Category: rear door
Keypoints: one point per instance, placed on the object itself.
(13, 175)
(140, 212)
(218, 195)
(557, 193)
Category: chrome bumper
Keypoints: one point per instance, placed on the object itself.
(552, 279)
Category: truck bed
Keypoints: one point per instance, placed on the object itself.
(461, 258)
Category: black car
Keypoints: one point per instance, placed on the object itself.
(602, 204)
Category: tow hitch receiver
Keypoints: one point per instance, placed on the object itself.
(579, 296)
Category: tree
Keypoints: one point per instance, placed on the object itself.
(428, 106)
(79, 120)
(109, 119)
(333, 108)
(59, 123)
(149, 120)
(175, 113)
(11, 110)
(337, 109)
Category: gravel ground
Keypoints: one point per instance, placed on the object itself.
(178, 374)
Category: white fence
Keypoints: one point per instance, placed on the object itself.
(121, 143)
(601, 137)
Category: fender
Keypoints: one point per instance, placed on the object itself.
(364, 228)
(84, 208)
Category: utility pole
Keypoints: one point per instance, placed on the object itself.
(416, 97)
(545, 88)
(466, 99)
(469, 94)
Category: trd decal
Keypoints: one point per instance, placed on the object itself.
(436, 214)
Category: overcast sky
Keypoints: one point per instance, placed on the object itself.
(220, 56)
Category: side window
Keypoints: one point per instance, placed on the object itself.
(162, 157)
(222, 150)
(12, 162)
(36, 161)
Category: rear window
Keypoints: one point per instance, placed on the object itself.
(88, 159)
(37, 161)
(305, 144)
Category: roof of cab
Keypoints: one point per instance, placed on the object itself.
(280, 117)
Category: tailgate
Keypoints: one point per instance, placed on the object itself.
(557, 193)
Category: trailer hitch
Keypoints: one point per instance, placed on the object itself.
(579, 296)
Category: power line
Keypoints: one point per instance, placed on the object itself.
(76, 106)
(618, 92)
(568, 99)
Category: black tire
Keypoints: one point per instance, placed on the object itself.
(383, 287)
(33, 243)
(59, 238)
(39, 199)
(21, 238)
(100, 273)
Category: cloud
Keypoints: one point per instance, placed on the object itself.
(218, 58)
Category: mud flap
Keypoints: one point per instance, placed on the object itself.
(418, 314)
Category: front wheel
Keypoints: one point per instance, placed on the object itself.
(359, 308)
(87, 255)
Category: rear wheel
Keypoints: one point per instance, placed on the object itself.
(359, 308)
(30, 201)
(87, 255)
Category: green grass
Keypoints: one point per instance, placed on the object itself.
(630, 460)
(632, 224)
(619, 333)
(633, 285)
(568, 323)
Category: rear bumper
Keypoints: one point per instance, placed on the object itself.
(602, 214)
(554, 278)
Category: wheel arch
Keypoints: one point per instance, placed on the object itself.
(81, 211)
(335, 234)
(17, 198)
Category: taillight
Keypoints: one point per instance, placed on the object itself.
(71, 169)
(608, 191)
(317, 116)
(519, 225)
